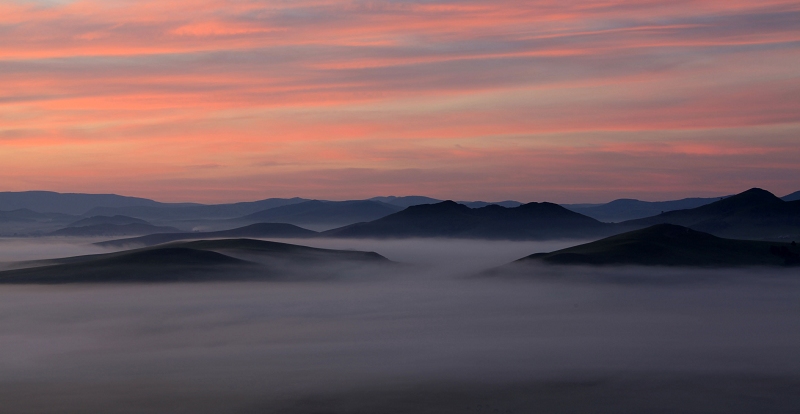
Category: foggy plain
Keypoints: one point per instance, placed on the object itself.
(432, 336)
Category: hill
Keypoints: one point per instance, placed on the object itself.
(196, 211)
(67, 203)
(111, 230)
(212, 260)
(449, 219)
(117, 220)
(671, 245)
(753, 214)
(24, 215)
(323, 212)
(408, 201)
(277, 230)
(795, 196)
(630, 209)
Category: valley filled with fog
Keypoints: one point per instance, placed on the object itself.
(431, 335)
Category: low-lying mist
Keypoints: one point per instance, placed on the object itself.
(423, 340)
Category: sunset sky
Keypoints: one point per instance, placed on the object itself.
(557, 100)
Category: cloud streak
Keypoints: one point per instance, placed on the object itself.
(127, 92)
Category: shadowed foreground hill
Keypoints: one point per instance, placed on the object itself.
(205, 260)
(671, 245)
(280, 230)
(449, 219)
(753, 214)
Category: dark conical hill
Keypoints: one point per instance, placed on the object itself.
(672, 245)
(753, 214)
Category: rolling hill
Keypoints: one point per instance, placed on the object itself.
(630, 209)
(277, 230)
(207, 260)
(112, 230)
(671, 245)
(753, 214)
(316, 212)
(449, 219)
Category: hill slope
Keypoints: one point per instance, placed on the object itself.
(671, 245)
(630, 209)
(118, 219)
(279, 230)
(207, 260)
(450, 219)
(111, 230)
(67, 203)
(753, 214)
(323, 212)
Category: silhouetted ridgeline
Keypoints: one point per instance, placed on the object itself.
(323, 212)
(753, 214)
(671, 245)
(449, 219)
(260, 230)
(205, 260)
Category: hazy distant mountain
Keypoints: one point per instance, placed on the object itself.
(629, 209)
(24, 215)
(795, 196)
(409, 201)
(323, 212)
(199, 261)
(94, 220)
(753, 214)
(111, 230)
(450, 219)
(260, 230)
(671, 245)
(406, 201)
(479, 204)
(66, 203)
(196, 211)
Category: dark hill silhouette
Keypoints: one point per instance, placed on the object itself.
(280, 230)
(630, 209)
(206, 260)
(323, 212)
(671, 245)
(408, 201)
(795, 196)
(118, 219)
(450, 219)
(753, 214)
(112, 230)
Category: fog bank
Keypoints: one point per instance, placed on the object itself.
(426, 341)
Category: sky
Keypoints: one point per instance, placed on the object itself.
(557, 100)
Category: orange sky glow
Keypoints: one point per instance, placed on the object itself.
(557, 100)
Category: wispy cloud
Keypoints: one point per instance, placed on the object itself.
(130, 95)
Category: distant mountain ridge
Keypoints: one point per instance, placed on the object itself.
(753, 214)
(629, 209)
(323, 212)
(450, 219)
(112, 230)
(67, 203)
